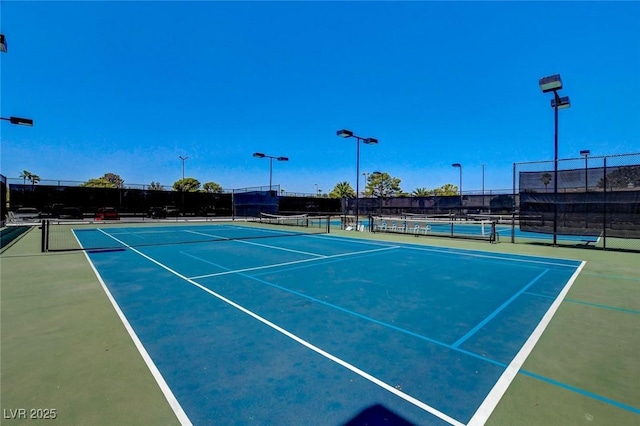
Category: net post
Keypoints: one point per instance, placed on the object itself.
(44, 235)
(492, 237)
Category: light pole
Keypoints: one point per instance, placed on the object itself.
(182, 182)
(270, 157)
(317, 191)
(483, 187)
(553, 83)
(585, 153)
(344, 133)
(459, 166)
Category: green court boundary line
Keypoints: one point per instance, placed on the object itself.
(594, 305)
(613, 277)
(416, 402)
(581, 391)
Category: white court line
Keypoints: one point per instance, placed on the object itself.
(303, 342)
(164, 387)
(293, 262)
(492, 256)
(491, 401)
(255, 244)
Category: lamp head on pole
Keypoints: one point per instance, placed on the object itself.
(585, 152)
(344, 133)
(258, 155)
(371, 141)
(563, 102)
(20, 121)
(551, 83)
(456, 165)
(282, 158)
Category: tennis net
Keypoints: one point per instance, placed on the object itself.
(470, 229)
(97, 236)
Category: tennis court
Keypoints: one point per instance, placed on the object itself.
(319, 329)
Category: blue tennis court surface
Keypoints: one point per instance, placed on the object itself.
(317, 329)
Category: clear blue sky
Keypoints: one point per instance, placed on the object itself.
(127, 87)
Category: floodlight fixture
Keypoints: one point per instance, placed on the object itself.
(345, 133)
(371, 141)
(585, 153)
(551, 83)
(562, 102)
(19, 121)
(459, 166)
(271, 158)
(3, 43)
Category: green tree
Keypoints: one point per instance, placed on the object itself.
(25, 175)
(622, 177)
(98, 183)
(115, 179)
(212, 188)
(187, 184)
(155, 186)
(342, 190)
(422, 192)
(383, 185)
(34, 179)
(546, 180)
(447, 189)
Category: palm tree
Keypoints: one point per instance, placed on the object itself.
(34, 179)
(546, 180)
(342, 190)
(26, 174)
(422, 192)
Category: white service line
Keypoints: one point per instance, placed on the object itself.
(303, 342)
(293, 262)
(253, 243)
(492, 256)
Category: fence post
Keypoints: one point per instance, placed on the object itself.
(604, 207)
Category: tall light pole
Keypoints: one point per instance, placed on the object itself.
(483, 187)
(553, 83)
(459, 166)
(182, 182)
(270, 157)
(344, 133)
(585, 153)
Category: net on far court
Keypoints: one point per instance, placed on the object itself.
(442, 227)
(93, 236)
